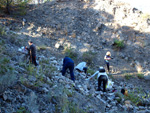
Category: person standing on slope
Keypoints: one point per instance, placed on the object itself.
(32, 52)
(107, 58)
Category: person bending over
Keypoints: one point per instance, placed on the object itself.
(102, 77)
(81, 67)
(68, 63)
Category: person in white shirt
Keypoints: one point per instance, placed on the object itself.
(102, 77)
(81, 67)
(107, 58)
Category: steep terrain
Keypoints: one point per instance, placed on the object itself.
(84, 30)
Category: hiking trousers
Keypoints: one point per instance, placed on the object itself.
(69, 66)
(33, 60)
(103, 79)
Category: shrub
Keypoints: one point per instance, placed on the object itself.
(22, 110)
(91, 71)
(118, 44)
(133, 98)
(70, 52)
(48, 70)
(2, 31)
(5, 66)
(128, 76)
(30, 69)
(140, 76)
(6, 81)
(43, 47)
(89, 57)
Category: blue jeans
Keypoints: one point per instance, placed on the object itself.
(69, 66)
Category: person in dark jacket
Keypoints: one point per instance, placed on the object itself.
(32, 52)
(68, 64)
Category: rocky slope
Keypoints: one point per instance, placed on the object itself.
(85, 30)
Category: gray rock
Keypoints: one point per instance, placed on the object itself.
(45, 90)
(143, 111)
(5, 97)
(141, 107)
(113, 103)
(147, 76)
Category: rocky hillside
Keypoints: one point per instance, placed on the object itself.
(85, 30)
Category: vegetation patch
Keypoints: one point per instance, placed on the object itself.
(140, 76)
(128, 76)
(88, 57)
(134, 98)
(118, 44)
(43, 47)
(90, 71)
(22, 110)
(70, 52)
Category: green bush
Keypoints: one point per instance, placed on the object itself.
(42, 47)
(133, 98)
(91, 71)
(22, 110)
(30, 69)
(48, 70)
(88, 57)
(128, 76)
(2, 31)
(70, 52)
(7, 80)
(5, 65)
(140, 76)
(119, 44)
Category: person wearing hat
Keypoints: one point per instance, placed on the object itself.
(102, 77)
(32, 52)
(107, 57)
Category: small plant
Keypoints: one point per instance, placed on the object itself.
(74, 108)
(140, 76)
(4, 66)
(91, 71)
(2, 31)
(89, 57)
(68, 92)
(133, 98)
(43, 47)
(128, 76)
(45, 61)
(70, 52)
(30, 69)
(118, 44)
(22, 110)
(48, 70)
